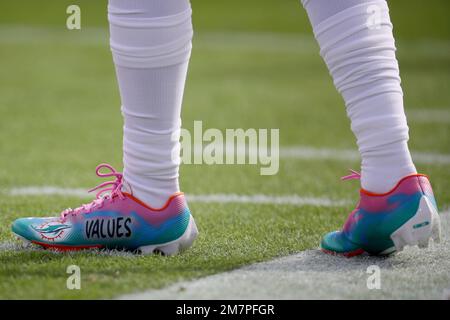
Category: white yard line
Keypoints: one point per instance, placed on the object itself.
(426, 115)
(98, 36)
(310, 153)
(293, 200)
(411, 274)
(278, 42)
(48, 191)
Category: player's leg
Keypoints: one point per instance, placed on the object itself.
(151, 46)
(357, 44)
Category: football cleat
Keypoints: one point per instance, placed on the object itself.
(114, 220)
(385, 223)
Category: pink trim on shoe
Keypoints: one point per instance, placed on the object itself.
(373, 194)
(176, 194)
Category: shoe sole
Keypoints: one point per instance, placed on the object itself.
(343, 254)
(166, 249)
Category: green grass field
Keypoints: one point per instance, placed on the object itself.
(250, 68)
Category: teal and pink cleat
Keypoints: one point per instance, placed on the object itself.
(385, 223)
(116, 220)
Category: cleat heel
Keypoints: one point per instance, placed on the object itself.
(418, 230)
(176, 246)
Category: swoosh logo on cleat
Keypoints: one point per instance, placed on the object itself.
(420, 225)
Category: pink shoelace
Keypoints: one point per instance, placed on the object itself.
(113, 187)
(353, 175)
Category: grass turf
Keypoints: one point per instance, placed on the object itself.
(60, 117)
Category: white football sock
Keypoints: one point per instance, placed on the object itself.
(357, 44)
(151, 46)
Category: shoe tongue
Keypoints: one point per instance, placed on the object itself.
(126, 187)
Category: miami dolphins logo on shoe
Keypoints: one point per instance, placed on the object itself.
(114, 220)
(385, 223)
(51, 230)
